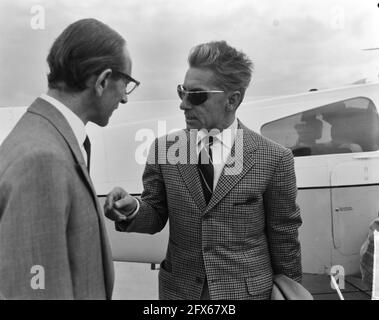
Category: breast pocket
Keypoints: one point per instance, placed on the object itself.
(245, 202)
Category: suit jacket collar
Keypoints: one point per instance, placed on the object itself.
(76, 124)
(48, 111)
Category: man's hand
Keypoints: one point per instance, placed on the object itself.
(119, 205)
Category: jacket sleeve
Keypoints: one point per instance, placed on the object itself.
(283, 219)
(34, 212)
(152, 215)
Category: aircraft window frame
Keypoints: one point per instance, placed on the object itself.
(326, 130)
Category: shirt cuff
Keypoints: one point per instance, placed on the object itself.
(134, 213)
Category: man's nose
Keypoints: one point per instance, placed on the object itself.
(184, 105)
(124, 99)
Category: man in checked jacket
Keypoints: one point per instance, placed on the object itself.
(230, 198)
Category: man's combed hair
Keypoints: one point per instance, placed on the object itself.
(85, 48)
(232, 68)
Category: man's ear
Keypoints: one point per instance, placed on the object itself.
(102, 82)
(234, 101)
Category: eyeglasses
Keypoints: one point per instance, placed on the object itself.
(195, 96)
(131, 83)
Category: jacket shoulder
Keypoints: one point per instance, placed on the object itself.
(33, 138)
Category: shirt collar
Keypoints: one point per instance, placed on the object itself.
(73, 120)
(226, 137)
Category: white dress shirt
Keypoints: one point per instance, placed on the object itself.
(221, 148)
(73, 120)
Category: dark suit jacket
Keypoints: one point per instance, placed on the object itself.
(49, 213)
(247, 232)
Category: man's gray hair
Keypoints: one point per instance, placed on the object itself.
(232, 68)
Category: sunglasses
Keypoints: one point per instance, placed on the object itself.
(131, 83)
(195, 96)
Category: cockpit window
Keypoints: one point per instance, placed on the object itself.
(343, 127)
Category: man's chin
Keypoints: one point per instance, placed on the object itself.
(101, 122)
(191, 124)
(105, 120)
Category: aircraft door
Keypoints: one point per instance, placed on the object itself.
(354, 204)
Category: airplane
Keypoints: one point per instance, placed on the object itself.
(333, 134)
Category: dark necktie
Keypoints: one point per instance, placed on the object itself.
(206, 170)
(87, 147)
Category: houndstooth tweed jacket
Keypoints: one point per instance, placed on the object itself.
(246, 233)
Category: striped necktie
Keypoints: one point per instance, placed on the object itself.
(206, 170)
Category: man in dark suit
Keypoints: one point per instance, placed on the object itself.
(53, 243)
(230, 199)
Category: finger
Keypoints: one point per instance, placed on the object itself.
(119, 216)
(116, 194)
(126, 203)
(115, 215)
(111, 213)
(107, 205)
(121, 193)
(108, 212)
(109, 200)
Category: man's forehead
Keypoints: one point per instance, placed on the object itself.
(196, 77)
(128, 61)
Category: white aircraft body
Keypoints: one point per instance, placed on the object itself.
(334, 135)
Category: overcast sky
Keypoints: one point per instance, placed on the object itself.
(295, 45)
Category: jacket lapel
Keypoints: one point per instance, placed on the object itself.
(240, 161)
(191, 178)
(49, 112)
(190, 173)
